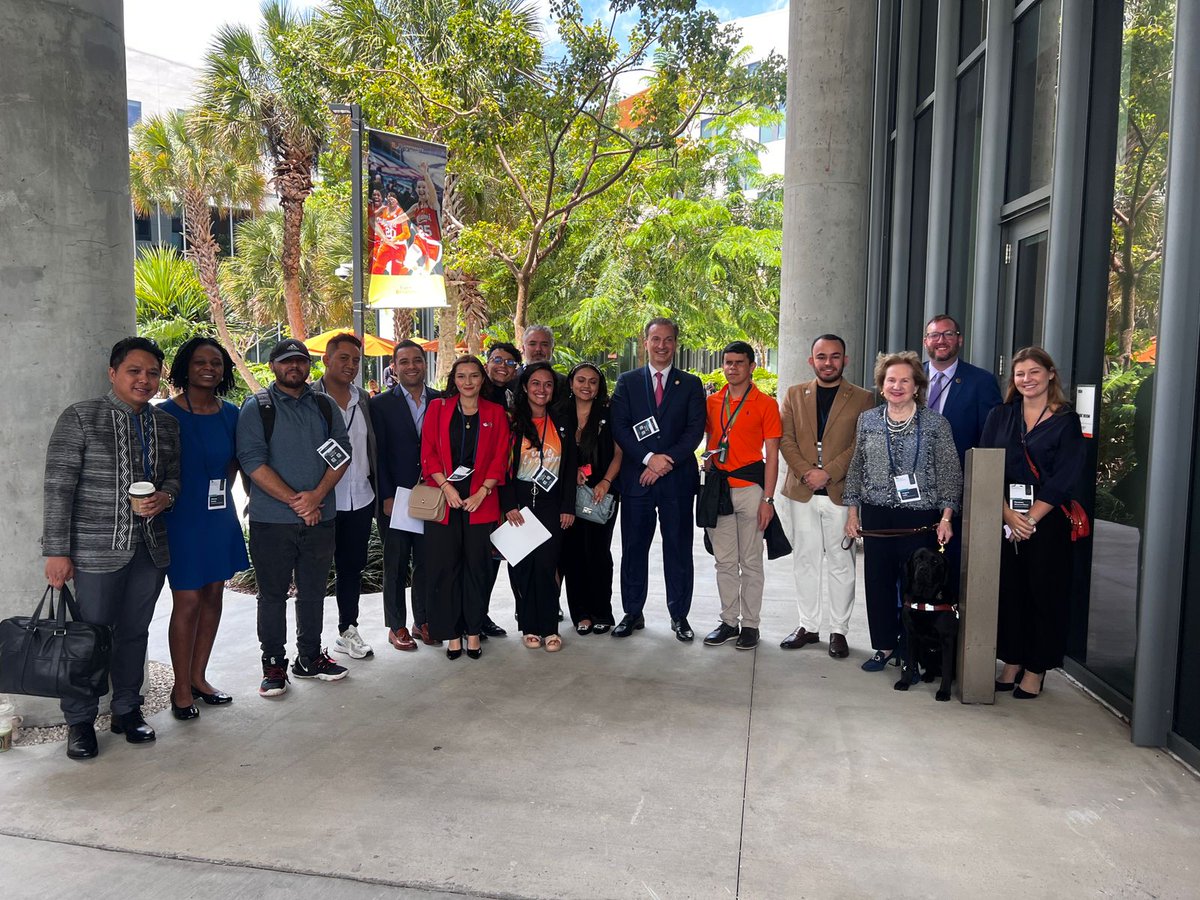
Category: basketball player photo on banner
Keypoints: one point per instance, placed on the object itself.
(404, 200)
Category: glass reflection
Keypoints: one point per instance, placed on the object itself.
(1034, 86)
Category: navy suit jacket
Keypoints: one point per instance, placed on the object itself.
(973, 394)
(681, 428)
(397, 440)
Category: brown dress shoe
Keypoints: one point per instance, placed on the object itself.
(838, 648)
(798, 639)
(422, 632)
(401, 639)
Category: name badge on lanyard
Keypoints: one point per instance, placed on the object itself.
(544, 478)
(1020, 497)
(906, 489)
(645, 428)
(460, 473)
(216, 493)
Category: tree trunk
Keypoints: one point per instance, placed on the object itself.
(202, 251)
(523, 281)
(473, 309)
(447, 334)
(293, 181)
(403, 324)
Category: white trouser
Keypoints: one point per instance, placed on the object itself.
(820, 565)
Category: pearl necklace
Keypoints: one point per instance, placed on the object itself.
(897, 427)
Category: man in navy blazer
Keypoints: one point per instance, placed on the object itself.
(397, 415)
(961, 392)
(658, 420)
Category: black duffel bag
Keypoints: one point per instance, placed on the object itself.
(54, 656)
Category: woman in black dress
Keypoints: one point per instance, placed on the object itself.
(586, 563)
(541, 477)
(1043, 459)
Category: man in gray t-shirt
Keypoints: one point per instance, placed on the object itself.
(295, 450)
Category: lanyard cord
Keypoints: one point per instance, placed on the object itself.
(147, 469)
(726, 426)
(208, 462)
(887, 435)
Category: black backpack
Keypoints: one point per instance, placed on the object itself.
(266, 409)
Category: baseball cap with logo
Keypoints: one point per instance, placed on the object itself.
(288, 348)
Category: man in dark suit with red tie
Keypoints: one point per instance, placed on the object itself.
(658, 420)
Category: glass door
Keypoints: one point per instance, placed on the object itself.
(1023, 304)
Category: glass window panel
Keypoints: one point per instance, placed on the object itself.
(972, 23)
(133, 112)
(919, 229)
(885, 245)
(893, 75)
(777, 132)
(1123, 422)
(926, 49)
(141, 229)
(964, 193)
(1034, 86)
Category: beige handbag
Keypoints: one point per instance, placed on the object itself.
(427, 503)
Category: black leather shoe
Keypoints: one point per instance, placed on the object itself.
(491, 629)
(721, 634)
(133, 725)
(683, 631)
(748, 639)
(183, 713)
(799, 638)
(476, 653)
(838, 648)
(81, 741)
(628, 625)
(216, 698)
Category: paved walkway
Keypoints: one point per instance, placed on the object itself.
(641, 768)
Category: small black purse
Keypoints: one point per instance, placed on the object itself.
(54, 656)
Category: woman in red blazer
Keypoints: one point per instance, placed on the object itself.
(464, 453)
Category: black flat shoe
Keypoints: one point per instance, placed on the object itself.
(1020, 693)
(183, 713)
(491, 629)
(582, 630)
(216, 698)
(601, 628)
(628, 625)
(476, 653)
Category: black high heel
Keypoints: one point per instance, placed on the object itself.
(1006, 687)
(453, 654)
(183, 713)
(476, 653)
(1020, 694)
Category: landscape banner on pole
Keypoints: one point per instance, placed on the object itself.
(406, 178)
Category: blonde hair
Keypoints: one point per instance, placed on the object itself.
(1054, 391)
(885, 361)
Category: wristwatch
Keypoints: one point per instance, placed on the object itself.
(770, 500)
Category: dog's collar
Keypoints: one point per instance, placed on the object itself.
(933, 607)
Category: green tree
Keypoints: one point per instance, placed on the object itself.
(253, 279)
(172, 164)
(172, 304)
(268, 87)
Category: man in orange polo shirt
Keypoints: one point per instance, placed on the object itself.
(743, 431)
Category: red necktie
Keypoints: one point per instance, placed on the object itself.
(658, 388)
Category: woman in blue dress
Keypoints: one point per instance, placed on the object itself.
(207, 546)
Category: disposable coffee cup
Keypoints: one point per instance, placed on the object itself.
(138, 492)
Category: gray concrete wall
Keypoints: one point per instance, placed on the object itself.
(66, 249)
(827, 174)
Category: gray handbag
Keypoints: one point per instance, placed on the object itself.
(587, 508)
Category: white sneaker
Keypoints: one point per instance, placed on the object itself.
(351, 643)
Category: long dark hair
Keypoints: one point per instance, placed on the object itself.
(466, 360)
(522, 415)
(183, 362)
(591, 431)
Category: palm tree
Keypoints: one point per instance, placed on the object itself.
(170, 163)
(253, 278)
(262, 86)
(171, 302)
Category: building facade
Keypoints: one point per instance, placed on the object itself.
(1031, 174)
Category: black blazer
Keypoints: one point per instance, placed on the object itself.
(397, 440)
(562, 495)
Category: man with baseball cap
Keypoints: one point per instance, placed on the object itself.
(295, 450)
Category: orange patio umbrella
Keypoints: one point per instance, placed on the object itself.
(432, 346)
(372, 345)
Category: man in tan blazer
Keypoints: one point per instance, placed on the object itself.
(819, 423)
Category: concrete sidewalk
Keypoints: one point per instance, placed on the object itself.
(622, 769)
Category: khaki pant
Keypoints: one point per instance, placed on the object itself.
(738, 549)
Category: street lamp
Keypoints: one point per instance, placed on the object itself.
(354, 111)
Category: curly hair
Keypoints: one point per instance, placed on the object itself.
(183, 362)
(903, 358)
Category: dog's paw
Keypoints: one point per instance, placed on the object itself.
(928, 676)
(901, 685)
(942, 696)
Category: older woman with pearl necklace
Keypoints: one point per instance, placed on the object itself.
(904, 475)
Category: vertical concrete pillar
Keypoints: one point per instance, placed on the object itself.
(983, 494)
(827, 179)
(66, 249)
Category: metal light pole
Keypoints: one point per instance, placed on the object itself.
(354, 111)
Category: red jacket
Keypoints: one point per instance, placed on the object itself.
(491, 453)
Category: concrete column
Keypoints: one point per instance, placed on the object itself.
(66, 249)
(983, 496)
(827, 174)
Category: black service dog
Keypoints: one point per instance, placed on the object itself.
(930, 623)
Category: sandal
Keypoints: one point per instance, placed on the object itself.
(532, 641)
(553, 643)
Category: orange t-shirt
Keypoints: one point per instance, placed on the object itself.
(756, 422)
(549, 456)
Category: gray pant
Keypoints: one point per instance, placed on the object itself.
(737, 546)
(279, 552)
(123, 600)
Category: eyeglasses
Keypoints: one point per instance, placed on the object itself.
(940, 335)
(501, 361)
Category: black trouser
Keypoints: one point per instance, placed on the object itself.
(457, 562)
(125, 600)
(586, 564)
(1035, 596)
(399, 547)
(279, 552)
(352, 535)
(534, 577)
(883, 566)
